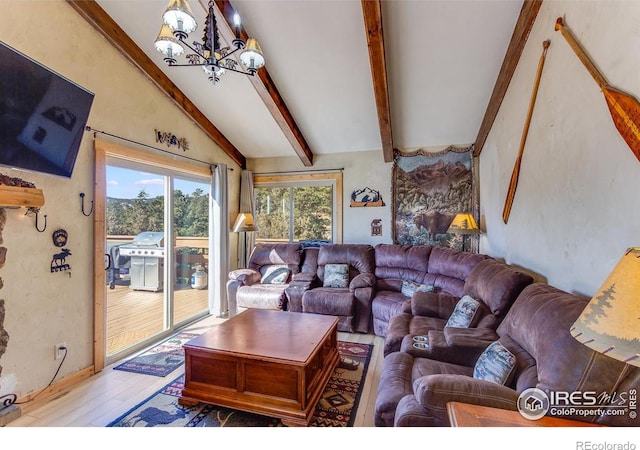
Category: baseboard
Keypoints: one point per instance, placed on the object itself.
(57, 389)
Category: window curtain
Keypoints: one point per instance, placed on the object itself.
(246, 206)
(219, 244)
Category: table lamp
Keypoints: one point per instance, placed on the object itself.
(610, 323)
(464, 224)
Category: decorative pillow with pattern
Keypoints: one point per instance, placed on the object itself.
(276, 275)
(336, 275)
(411, 287)
(495, 364)
(464, 313)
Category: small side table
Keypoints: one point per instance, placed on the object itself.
(467, 415)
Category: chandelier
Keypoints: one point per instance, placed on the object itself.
(178, 22)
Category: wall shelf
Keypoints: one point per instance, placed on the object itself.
(21, 196)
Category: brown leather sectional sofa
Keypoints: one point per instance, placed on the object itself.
(375, 280)
(382, 295)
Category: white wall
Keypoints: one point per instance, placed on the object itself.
(576, 206)
(361, 169)
(44, 308)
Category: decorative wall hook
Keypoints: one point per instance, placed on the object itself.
(45, 222)
(59, 261)
(91, 210)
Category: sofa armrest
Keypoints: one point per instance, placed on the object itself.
(362, 280)
(296, 289)
(433, 304)
(245, 276)
(470, 337)
(433, 392)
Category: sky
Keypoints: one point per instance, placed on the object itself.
(127, 183)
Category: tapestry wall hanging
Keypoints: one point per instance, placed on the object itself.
(429, 189)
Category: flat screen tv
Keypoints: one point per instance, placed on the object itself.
(42, 116)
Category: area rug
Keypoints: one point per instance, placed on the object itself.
(160, 360)
(336, 408)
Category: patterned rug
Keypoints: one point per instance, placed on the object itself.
(162, 359)
(336, 408)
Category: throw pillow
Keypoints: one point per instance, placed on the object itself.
(464, 313)
(495, 364)
(336, 275)
(411, 287)
(276, 275)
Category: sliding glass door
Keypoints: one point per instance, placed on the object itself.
(157, 225)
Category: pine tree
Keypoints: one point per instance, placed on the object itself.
(597, 309)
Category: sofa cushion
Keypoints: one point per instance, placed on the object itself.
(411, 287)
(267, 254)
(277, 274)
(336, 276)
(464, 314)
(395, 263)
(496, 284)
(495, 364)
(451, 268)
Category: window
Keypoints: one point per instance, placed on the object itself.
(293, 208)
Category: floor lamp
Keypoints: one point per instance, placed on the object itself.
(463, 224)
(243, 224)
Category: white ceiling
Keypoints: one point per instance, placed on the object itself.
(443, 58)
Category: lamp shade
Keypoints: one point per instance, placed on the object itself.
(167, 44)
(463, 223)
(244, 222)
(179, 17)
(610, 323)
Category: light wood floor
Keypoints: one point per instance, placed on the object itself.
(103, 397)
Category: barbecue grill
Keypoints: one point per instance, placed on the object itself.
(147, 260)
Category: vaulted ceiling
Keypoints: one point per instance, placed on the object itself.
(340, 76)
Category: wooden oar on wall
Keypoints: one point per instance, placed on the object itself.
(513, 184)
(624, 109)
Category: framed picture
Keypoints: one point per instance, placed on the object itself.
(429, 189)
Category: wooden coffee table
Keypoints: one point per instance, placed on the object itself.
(274, 363)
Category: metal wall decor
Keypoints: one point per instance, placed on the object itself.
(366, 197)
(59, 261)
(166, 137)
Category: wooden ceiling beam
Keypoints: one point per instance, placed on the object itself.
(527, 18)
(372, 12)
(265, 87)
(105, 25)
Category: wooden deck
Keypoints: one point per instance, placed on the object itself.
(133, 316)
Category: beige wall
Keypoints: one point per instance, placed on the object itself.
(576, 206)
(360, 169)
(44, 308)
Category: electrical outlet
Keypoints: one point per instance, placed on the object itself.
(59, 350)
